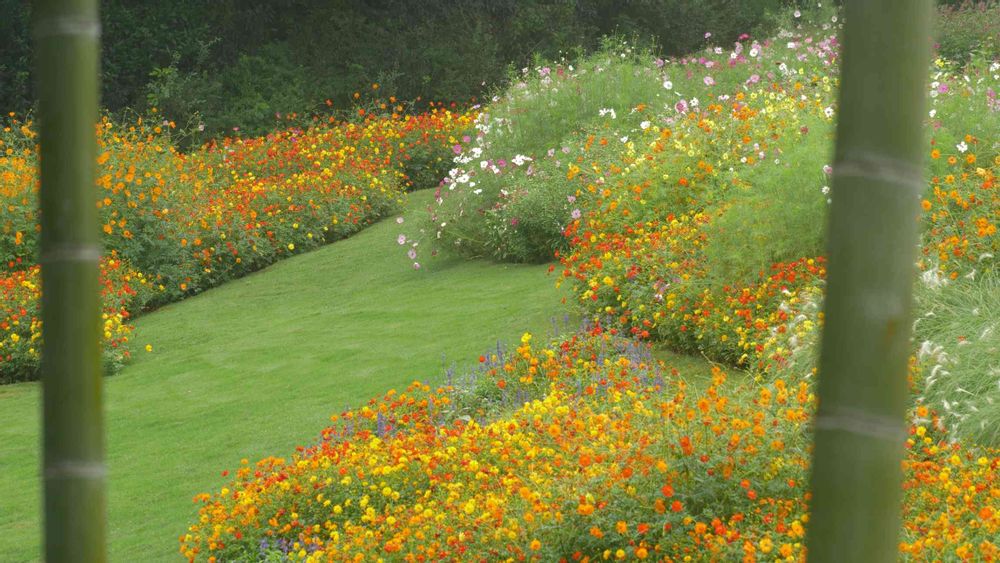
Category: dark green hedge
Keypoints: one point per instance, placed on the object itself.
(238, 62)
(230, 63)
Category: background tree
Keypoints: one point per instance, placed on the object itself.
(872, 251)
(67, 36)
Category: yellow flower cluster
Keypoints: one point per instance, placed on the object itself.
(585, 450)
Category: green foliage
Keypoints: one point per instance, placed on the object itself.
(258, 88)
(528, 228)
(238, 63)
(752, 229)
(16, 88)
(966, 27)
(679, 26)
(960, 107)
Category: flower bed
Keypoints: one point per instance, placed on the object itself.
(582, 450)
(189, 222)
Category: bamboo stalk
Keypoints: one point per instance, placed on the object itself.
(873, 236)
(66, 34)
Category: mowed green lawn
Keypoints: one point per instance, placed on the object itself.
(256, 367)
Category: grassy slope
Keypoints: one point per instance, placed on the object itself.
(255, 367)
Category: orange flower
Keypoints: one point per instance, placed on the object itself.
(686, 445)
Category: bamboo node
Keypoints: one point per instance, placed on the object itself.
(75, 469)
(862, 423)
(880, 167)
(74, 26)
(68, 252)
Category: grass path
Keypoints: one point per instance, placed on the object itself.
(255, 367)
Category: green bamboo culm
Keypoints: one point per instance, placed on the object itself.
(66, 39)
(877, 181)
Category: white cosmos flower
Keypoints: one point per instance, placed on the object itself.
(962, 147)
(644, 125)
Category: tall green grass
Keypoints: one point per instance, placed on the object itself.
(958, 335)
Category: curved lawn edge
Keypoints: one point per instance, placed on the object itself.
(256, 365)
